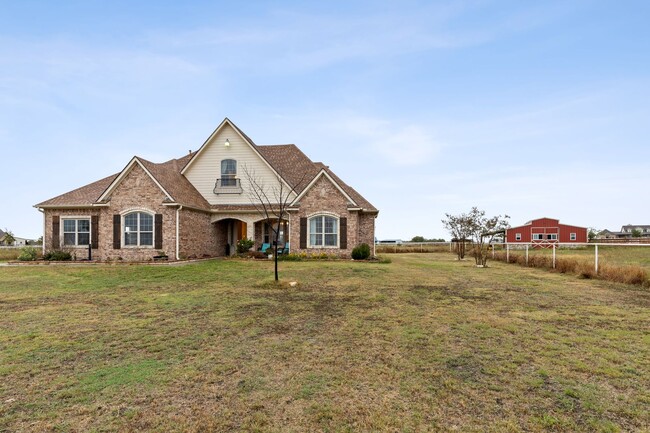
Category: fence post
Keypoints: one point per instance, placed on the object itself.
(492, 251)
(526, 254)
(553, 256)
(507, 253)
(420, 247)
(596, 258)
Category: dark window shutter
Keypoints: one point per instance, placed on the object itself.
(117, 232)
(303, 233)
(158, 235)
(55, 232)
(94, 231)
(343, 226)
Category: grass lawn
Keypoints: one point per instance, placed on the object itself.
(424, 343)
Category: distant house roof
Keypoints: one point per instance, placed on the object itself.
(635, 226)
(295, 168)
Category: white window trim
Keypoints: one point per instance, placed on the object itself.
(553, 238)
(573, 236)
(338, 230)
(517, 236)
(62, 231)
(153, 228)
(535, 238)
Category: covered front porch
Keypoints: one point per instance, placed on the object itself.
(230, 229)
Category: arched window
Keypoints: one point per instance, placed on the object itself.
(323, 231)
(138, 229)
(228, 172)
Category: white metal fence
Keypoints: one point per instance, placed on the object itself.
(527, 248)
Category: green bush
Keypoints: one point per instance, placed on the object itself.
(361, 252)
(57, 256)
(28, 254)
(244, 245)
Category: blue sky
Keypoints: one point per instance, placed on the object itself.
(528, 109)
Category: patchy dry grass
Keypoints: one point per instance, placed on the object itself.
(614, 265)
(7, 254)
(424, 343)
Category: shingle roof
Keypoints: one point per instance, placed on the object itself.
(289, 161)
(84, 196)
(286, 159)
(168, 174)
(358, 198)
(298, 170)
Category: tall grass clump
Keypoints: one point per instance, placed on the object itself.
(627, 274)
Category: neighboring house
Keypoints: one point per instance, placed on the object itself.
(626, 232)
(17, 242)
(546, 231)
(606, 234)
(199, 205)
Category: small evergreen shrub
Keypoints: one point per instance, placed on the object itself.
(28, 254)
(57, 256)
(243, 245)
(361, 252)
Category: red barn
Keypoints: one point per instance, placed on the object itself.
(545, 231)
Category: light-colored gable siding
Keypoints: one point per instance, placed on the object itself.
(206, 169)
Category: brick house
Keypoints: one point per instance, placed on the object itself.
(200, 205)
(546, 231)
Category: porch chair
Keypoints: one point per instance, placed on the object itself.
(285, 249)
(264, 247)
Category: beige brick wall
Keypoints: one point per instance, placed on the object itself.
(324, 197)
(138, 192)
(198, 237)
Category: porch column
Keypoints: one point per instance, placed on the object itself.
(250, 229)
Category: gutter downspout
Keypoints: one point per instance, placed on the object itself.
(178, 230)
(44, 224)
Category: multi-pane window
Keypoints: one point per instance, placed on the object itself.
(573, 236)
(517, 236)
(323, 231)
(551, 236)
(228, 172)
(138, 229)
(538, 236)
(76, 232)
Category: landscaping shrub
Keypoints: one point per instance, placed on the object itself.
(298, 257)
(244, 245)
(257, 255)
(57, 256)
(28, 254)
(361, 252)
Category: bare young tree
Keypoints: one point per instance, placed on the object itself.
(459, 227)
(478, 228)
(272, 202)
(483, 230)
